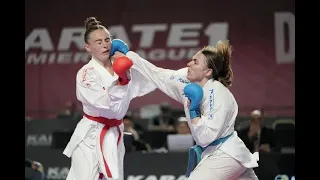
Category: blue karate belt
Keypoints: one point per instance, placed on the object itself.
(197, 151)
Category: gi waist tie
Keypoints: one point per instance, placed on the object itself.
(109, 123)
(196, 152)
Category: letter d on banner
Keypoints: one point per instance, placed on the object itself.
(284, 55)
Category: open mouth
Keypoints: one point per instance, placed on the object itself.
(106, 52)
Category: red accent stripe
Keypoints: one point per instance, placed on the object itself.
(119, 135)
(103, 132)
(108, 124)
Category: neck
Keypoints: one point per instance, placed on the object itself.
(106, 64)
(202, 82)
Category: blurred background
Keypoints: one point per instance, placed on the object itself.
(167, 33)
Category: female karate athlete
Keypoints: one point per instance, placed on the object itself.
(96, 147)
(211, 108)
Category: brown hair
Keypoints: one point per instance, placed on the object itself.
(91, 24)
(219, 60)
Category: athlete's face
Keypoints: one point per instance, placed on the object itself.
(198, 69)
(99, 44)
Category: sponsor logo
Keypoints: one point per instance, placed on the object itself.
(211, 104)
(182, 42)
(183, 81)
(39, 140)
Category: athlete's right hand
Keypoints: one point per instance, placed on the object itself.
(194, 93)
(118, 45)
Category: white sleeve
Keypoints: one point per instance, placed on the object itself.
(171, 82)
(121, 96)
(91, 91)
(139, 85)
(214, 121)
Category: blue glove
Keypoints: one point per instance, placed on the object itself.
(194, 93)
(118, 45)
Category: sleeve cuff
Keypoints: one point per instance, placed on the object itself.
(131, 55)
(196, 129)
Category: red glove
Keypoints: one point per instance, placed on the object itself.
(120, 66)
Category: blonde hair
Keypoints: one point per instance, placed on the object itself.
(218, 59)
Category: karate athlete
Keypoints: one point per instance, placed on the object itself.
(96, 147)
(209, 106)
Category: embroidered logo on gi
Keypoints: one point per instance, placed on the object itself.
(172, 77)
(183, 81)
(211, 103)
(84, 73)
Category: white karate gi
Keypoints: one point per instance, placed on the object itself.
(100, 97)
(227, 161)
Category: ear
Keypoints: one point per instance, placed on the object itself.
(87, 47)
(209, 73)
